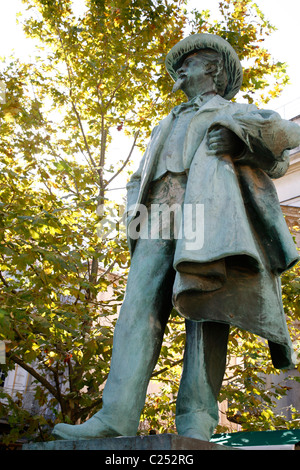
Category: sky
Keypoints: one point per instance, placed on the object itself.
(283, 43)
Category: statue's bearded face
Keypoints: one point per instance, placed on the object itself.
(197, 73)
(192, 71)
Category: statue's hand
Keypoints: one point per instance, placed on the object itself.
(222, 141)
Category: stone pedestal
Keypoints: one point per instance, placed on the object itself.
(162, 442)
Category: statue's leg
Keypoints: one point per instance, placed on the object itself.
(137, 342)
(203, 372)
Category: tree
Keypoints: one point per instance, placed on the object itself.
(56, 128)
(62, 267)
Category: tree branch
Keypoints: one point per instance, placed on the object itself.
(87, 409)
(5, 283)
(35, 374)
(126, 161)
(73, 104)
(161, 371)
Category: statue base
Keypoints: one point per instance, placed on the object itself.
(163, 442)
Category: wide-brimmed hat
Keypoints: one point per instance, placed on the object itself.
(196, 42)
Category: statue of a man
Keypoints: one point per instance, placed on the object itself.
(217, 155)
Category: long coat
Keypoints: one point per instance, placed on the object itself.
(232, 275)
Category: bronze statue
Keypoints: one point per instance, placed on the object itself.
(217, 156)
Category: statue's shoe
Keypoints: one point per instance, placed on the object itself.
(91, 429)
(194, 435)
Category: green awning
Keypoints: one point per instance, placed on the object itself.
(258, 438)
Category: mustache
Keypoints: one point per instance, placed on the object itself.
(177, 85)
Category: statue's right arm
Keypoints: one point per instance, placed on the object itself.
(133, 185)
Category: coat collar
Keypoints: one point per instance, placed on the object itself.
(199, 103)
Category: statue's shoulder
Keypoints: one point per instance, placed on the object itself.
(243, 107)
(164, 122)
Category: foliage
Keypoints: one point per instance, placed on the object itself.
(62, 270)
(62, 279)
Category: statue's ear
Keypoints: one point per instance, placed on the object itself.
(211, 68)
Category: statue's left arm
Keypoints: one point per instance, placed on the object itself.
(261, 139)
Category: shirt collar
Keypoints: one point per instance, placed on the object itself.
(195, 103)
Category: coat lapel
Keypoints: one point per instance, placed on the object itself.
(199, 126)
(152, 155)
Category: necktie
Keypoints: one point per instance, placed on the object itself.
(195, 103)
